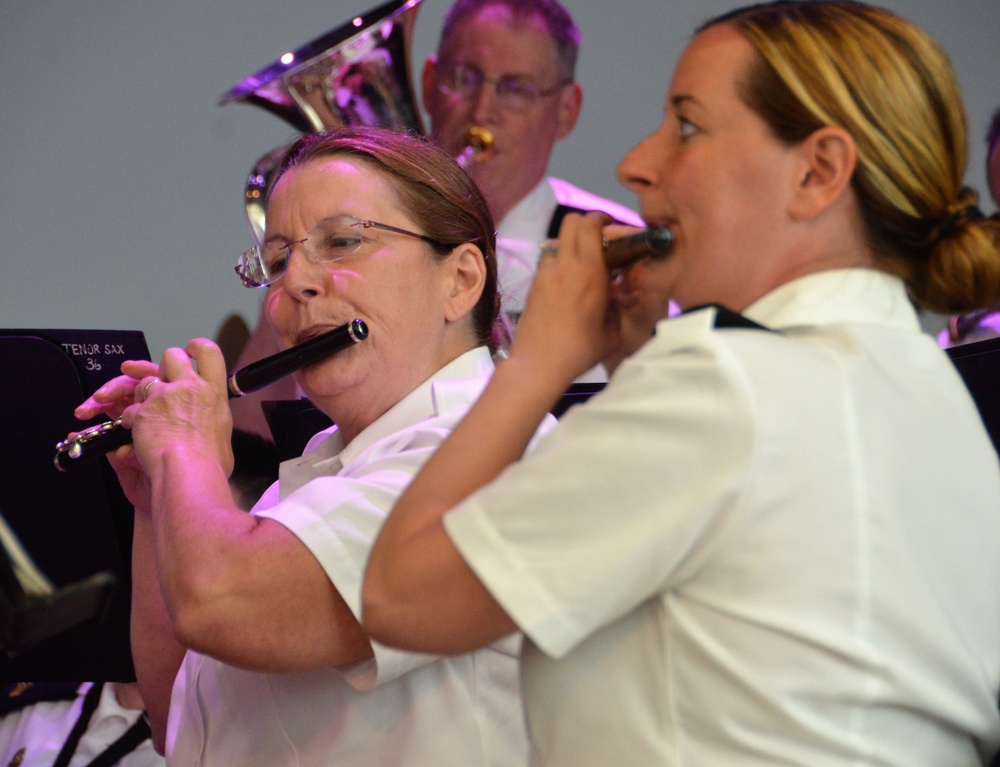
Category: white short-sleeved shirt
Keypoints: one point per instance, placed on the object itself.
(34, 736)
(399, 708)
(758, 548)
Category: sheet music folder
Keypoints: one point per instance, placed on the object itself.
(76, 525)
(979, 365)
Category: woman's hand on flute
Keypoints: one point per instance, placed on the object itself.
(592, 316)
(112, 399)
(183, 407)
(565, 327)
(115, 395)
(180, 404)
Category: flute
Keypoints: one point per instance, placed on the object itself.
(625, 251)
(101, 439)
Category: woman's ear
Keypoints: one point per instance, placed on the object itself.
(466, 278)
(829, 157)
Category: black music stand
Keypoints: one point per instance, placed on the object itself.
(979, 365)
(75, 525)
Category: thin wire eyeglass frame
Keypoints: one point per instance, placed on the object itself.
(508, 99)
(252, 262)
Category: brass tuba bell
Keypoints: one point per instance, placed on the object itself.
(356, 74)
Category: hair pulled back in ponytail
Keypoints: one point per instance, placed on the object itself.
(885, 81)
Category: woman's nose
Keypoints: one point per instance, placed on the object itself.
(639, 169)
(304, 276)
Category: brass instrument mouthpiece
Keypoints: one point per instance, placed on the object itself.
(478, 143)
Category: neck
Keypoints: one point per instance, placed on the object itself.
(353, 413)
(835, 242)
(503, 198)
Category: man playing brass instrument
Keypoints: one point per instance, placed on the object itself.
(508, 66)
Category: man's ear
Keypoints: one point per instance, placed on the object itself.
(570, 104)
(466, 281)
(828, 159)
(428, 83)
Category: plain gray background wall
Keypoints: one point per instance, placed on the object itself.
(120, 178)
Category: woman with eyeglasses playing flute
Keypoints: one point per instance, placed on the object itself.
(245, 627)
(774, 538)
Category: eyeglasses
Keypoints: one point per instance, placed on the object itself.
(333, 239)
(515, 93)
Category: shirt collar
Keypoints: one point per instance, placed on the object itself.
(837, 296)
(444, 392)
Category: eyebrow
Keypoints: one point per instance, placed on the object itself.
(278, 237)
(527, 75)
(681, 99)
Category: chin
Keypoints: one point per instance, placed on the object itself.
(331, 376)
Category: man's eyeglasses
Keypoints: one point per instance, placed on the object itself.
(333, 239)
(515, 93)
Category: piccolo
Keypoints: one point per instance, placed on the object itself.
(101, 439)
(625, 251)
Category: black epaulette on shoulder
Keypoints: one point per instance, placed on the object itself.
(727, 318)
(15, 697)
